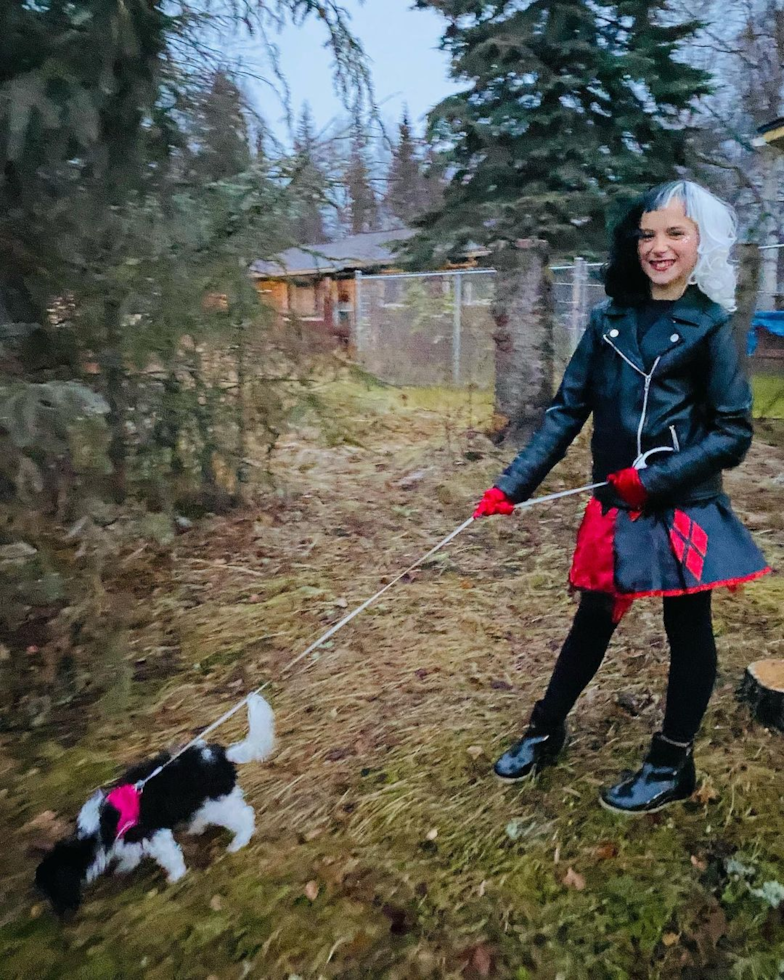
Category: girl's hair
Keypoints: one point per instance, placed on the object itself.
(624, 279)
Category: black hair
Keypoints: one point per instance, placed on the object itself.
(623, 277)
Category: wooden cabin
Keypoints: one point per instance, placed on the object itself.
(317, 283)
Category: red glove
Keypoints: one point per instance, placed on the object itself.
(629, 487)
(494, 501)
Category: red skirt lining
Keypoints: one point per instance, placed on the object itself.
(729, 583)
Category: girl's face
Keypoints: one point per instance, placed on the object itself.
(667, 249)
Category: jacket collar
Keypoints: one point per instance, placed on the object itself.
(693, 309)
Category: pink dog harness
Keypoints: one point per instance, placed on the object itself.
(126, 801)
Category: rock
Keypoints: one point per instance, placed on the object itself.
(411, 480)
(17, 553)
(182, 524)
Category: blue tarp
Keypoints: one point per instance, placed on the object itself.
(772, 321)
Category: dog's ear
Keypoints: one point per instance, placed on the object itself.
(59, 877)
(110, 822)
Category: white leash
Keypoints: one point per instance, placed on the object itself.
(347, 619)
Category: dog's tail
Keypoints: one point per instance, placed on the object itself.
(261, 733)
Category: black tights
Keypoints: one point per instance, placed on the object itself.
(687, 621)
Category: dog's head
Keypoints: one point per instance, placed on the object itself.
(62, 872)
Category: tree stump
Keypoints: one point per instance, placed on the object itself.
(762, 688)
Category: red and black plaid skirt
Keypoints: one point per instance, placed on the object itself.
(631, 554)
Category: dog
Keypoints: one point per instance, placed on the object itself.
(116, 829)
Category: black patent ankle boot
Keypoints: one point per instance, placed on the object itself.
(539, 747)
(667, 775)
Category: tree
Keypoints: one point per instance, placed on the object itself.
(408, 192)
(217, 130)
(362, 206)
(567, 106)
(308, 184)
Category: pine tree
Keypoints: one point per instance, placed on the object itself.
(308, 184)
(362, 205)
(407, 186)
(218, 131)
(571, 105)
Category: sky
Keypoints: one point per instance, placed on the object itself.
(402, 46)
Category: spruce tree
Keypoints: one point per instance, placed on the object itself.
(407, 190)
(308, 184)
(567, 106)
(219, 130)
(361, 199)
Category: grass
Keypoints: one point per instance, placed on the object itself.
(384, 847)
(768, 396)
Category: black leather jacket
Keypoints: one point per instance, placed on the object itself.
(683, 392)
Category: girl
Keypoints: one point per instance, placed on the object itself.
(659, 369)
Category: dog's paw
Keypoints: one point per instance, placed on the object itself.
(175, 876)
(237, 844)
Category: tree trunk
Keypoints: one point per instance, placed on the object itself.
(748, 288)
(114, 377)
(524, 316)
(762, 689)
(242, 433)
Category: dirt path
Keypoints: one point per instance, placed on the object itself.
(384, 848)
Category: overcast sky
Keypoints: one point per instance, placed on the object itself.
(402, 45)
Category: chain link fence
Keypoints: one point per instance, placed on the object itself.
(437, 328)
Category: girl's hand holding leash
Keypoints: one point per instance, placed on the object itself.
(629, 487)
(494, 501)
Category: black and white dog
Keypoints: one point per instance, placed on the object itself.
(198, 789)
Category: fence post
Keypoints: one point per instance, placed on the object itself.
(579, 283)
(456, 328)
(359, 338)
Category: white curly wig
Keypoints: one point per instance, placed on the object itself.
(718, 225)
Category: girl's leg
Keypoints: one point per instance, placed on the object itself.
(668, 772)
(580, 657)
(687, 620)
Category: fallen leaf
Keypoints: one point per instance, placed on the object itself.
(475, 751)
(432, 834)
(699, 863)
(670, 938)
(482, 889)
(477, 961)
(606, 850)
(499, 685)
(216, 903)
(312, 890)
(573, 879)
(706, 794)
(342, 602)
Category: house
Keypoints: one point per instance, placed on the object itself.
(317, 283)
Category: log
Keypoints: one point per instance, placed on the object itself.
(762, 688)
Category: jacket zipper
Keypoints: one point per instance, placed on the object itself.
(648, 378)
(675, 441)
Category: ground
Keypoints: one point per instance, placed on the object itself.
(384, 846)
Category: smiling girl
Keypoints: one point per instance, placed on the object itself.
(659, 370)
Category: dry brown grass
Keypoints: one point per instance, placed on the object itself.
(385, 849)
